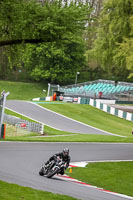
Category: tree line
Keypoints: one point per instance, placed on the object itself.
(53, 39)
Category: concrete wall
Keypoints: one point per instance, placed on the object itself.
(107, 108)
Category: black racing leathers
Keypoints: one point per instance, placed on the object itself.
(66, 159)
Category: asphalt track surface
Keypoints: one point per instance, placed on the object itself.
(20, 163)
(52, 119)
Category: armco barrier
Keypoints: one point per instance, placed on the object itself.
(107, 108)
(25, 124)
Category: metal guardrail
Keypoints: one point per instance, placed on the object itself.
(89, 83)
(91, 94)
(125, 83)
(23, 124)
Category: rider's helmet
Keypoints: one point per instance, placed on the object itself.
(65, 152)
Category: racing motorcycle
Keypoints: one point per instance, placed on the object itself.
(54, 167)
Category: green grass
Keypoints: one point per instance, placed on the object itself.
(69, 138)
(13, 136)
(84, 113)
(116, 177)
(113, 176)
(94, 117)
(14, 133)
(14, 192)
(23, 90)
(11, 130)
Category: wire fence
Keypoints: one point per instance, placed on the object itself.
(24, 124)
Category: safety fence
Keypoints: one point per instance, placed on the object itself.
(107, 108)
(23, 124)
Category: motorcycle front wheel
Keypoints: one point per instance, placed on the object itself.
(41, 172)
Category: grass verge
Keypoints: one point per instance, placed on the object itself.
(94, 117)
(15, 133)
(70, 138)
(14, 192)
(113, 176)
(83, 113)
(18, 135)
(23, 90)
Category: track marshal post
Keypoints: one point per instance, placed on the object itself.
(2, 109)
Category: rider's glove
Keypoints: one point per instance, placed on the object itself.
(65, 166)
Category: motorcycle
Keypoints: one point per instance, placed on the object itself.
(54, 167)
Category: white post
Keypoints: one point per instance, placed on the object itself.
(42, 129)
(76, 77)
(48, 89)
(58, 87)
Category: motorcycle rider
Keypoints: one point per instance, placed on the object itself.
(64, 155)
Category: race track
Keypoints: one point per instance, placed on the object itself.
(52, 119)
(20, 163)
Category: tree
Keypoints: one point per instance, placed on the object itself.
(91, 70)
(29, 21)
(55, 62)
(57, 29)
(24, 22)
(125, 51)
(114, 27)
(4, 66)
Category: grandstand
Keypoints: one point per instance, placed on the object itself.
(105, 89)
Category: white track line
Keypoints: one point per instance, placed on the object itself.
(67, 178)
(83, 164)
(77, 121)
(32, 118)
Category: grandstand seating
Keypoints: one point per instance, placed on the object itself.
(107, 88)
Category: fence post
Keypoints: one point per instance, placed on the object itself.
(3, 131)
(42, 129)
